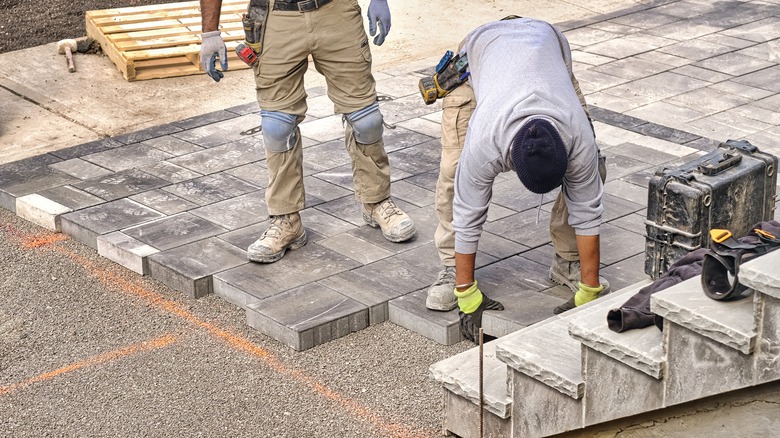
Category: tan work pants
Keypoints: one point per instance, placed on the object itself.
(334, 37)
(457, 108)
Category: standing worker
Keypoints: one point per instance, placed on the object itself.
(283, 34)
(512, 103)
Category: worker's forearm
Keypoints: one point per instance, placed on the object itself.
(209, 14)
(464, 269)
(590, 257)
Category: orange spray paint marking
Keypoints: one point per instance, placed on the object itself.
(240, 343)
(149, 345)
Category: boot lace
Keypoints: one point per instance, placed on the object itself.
(447, 275)
(275, 227)
(388, 208)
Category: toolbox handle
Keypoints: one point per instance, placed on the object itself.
(714, 167)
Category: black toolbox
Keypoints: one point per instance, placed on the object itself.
(732, 187)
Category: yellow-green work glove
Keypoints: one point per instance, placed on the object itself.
(471, 303)
(586, 294)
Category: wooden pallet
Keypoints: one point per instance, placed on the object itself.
(161, 41)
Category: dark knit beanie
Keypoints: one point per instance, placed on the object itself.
(539, 156)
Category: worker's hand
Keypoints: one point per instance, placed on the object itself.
(212, 47)
(472, 302)
(378, 17)
(586, 294)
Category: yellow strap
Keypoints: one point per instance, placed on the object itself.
(719, 236)
(764, 233)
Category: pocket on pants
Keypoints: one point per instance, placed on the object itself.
(456, 112)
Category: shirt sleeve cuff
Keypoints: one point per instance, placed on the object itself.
(593, 231)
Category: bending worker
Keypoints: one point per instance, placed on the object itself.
(519, 110)
(282, 39)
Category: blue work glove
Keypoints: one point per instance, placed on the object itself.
(212, 47)
(471, 303)
(378, 14)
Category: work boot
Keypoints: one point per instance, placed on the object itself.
(565, 273)
(284, 232)
(396, 225)
(440, 295)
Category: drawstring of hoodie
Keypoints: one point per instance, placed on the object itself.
(539, 208)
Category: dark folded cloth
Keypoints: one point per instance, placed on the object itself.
(635, 313)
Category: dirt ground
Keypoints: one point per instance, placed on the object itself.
(30, 23)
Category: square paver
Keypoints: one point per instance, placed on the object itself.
(86, 224)
(258, 281)
(211, 188)
(236, 212)
(173, 231)
(127, 157)
(307, 316)
(189, 268)
(120, 184)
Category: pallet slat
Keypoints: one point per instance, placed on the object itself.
(161, 41)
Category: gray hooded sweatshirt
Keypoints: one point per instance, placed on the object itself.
(521, 69)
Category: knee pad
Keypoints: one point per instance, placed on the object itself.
(367, 124)
(278, 130)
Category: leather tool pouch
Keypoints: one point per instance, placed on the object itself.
(254, 22)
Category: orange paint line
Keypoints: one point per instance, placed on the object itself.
(149, 345)
(236, 341)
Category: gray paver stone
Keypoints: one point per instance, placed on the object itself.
(189, 268)
(85, 225)
(308, 316)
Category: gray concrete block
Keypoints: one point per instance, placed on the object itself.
(164, 202)
(614, 390)
(728, 322)
(120, 184)
(172, 145)
(71, 197)
(307, 316)
(189, 268)
(539, 410)
(217, 159)
(762, 275)
(365, 289)
(81, 169)
(698, 366)
(172, 231)
(546, 353)
(236, 212)
(461, 417)
(85, 225)
(459, 374)
(641, 349)
(409, 311)
(127, 157)
(126, 251)
(768, 348)
(170, 172)
(210, 188)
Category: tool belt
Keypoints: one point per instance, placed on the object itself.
(720, 267)
(299, 5)
(450, 73)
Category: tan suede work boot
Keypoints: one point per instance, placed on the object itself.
(440, 295)
(396, 225)
(284, 232)
(565, 273)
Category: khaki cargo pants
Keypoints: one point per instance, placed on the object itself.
(457, 108)
(334, 37)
